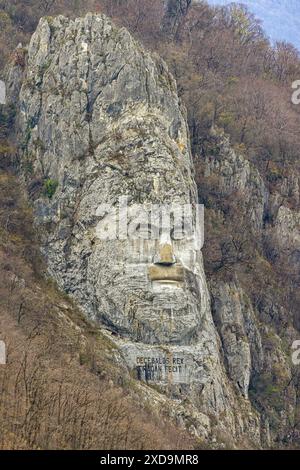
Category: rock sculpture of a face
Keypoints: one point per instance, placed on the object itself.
(101, 128)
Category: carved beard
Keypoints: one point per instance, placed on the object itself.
(153, 312)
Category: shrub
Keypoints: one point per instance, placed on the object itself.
(50, 187)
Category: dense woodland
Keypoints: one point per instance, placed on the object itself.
(232, 81)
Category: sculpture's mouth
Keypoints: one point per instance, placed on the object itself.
(168, 274)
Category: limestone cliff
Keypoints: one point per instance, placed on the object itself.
(99, 119)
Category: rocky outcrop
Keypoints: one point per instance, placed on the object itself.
(237, 175)
(284, 238)
(241, 340)
(103, 134)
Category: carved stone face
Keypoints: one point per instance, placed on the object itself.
(148, 264)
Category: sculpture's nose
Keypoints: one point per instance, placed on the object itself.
(165, 255)
(166, 269)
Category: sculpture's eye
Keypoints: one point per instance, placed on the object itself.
(181, 231)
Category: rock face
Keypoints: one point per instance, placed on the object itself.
(103, 139)
(285, 238)
(174, 11)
